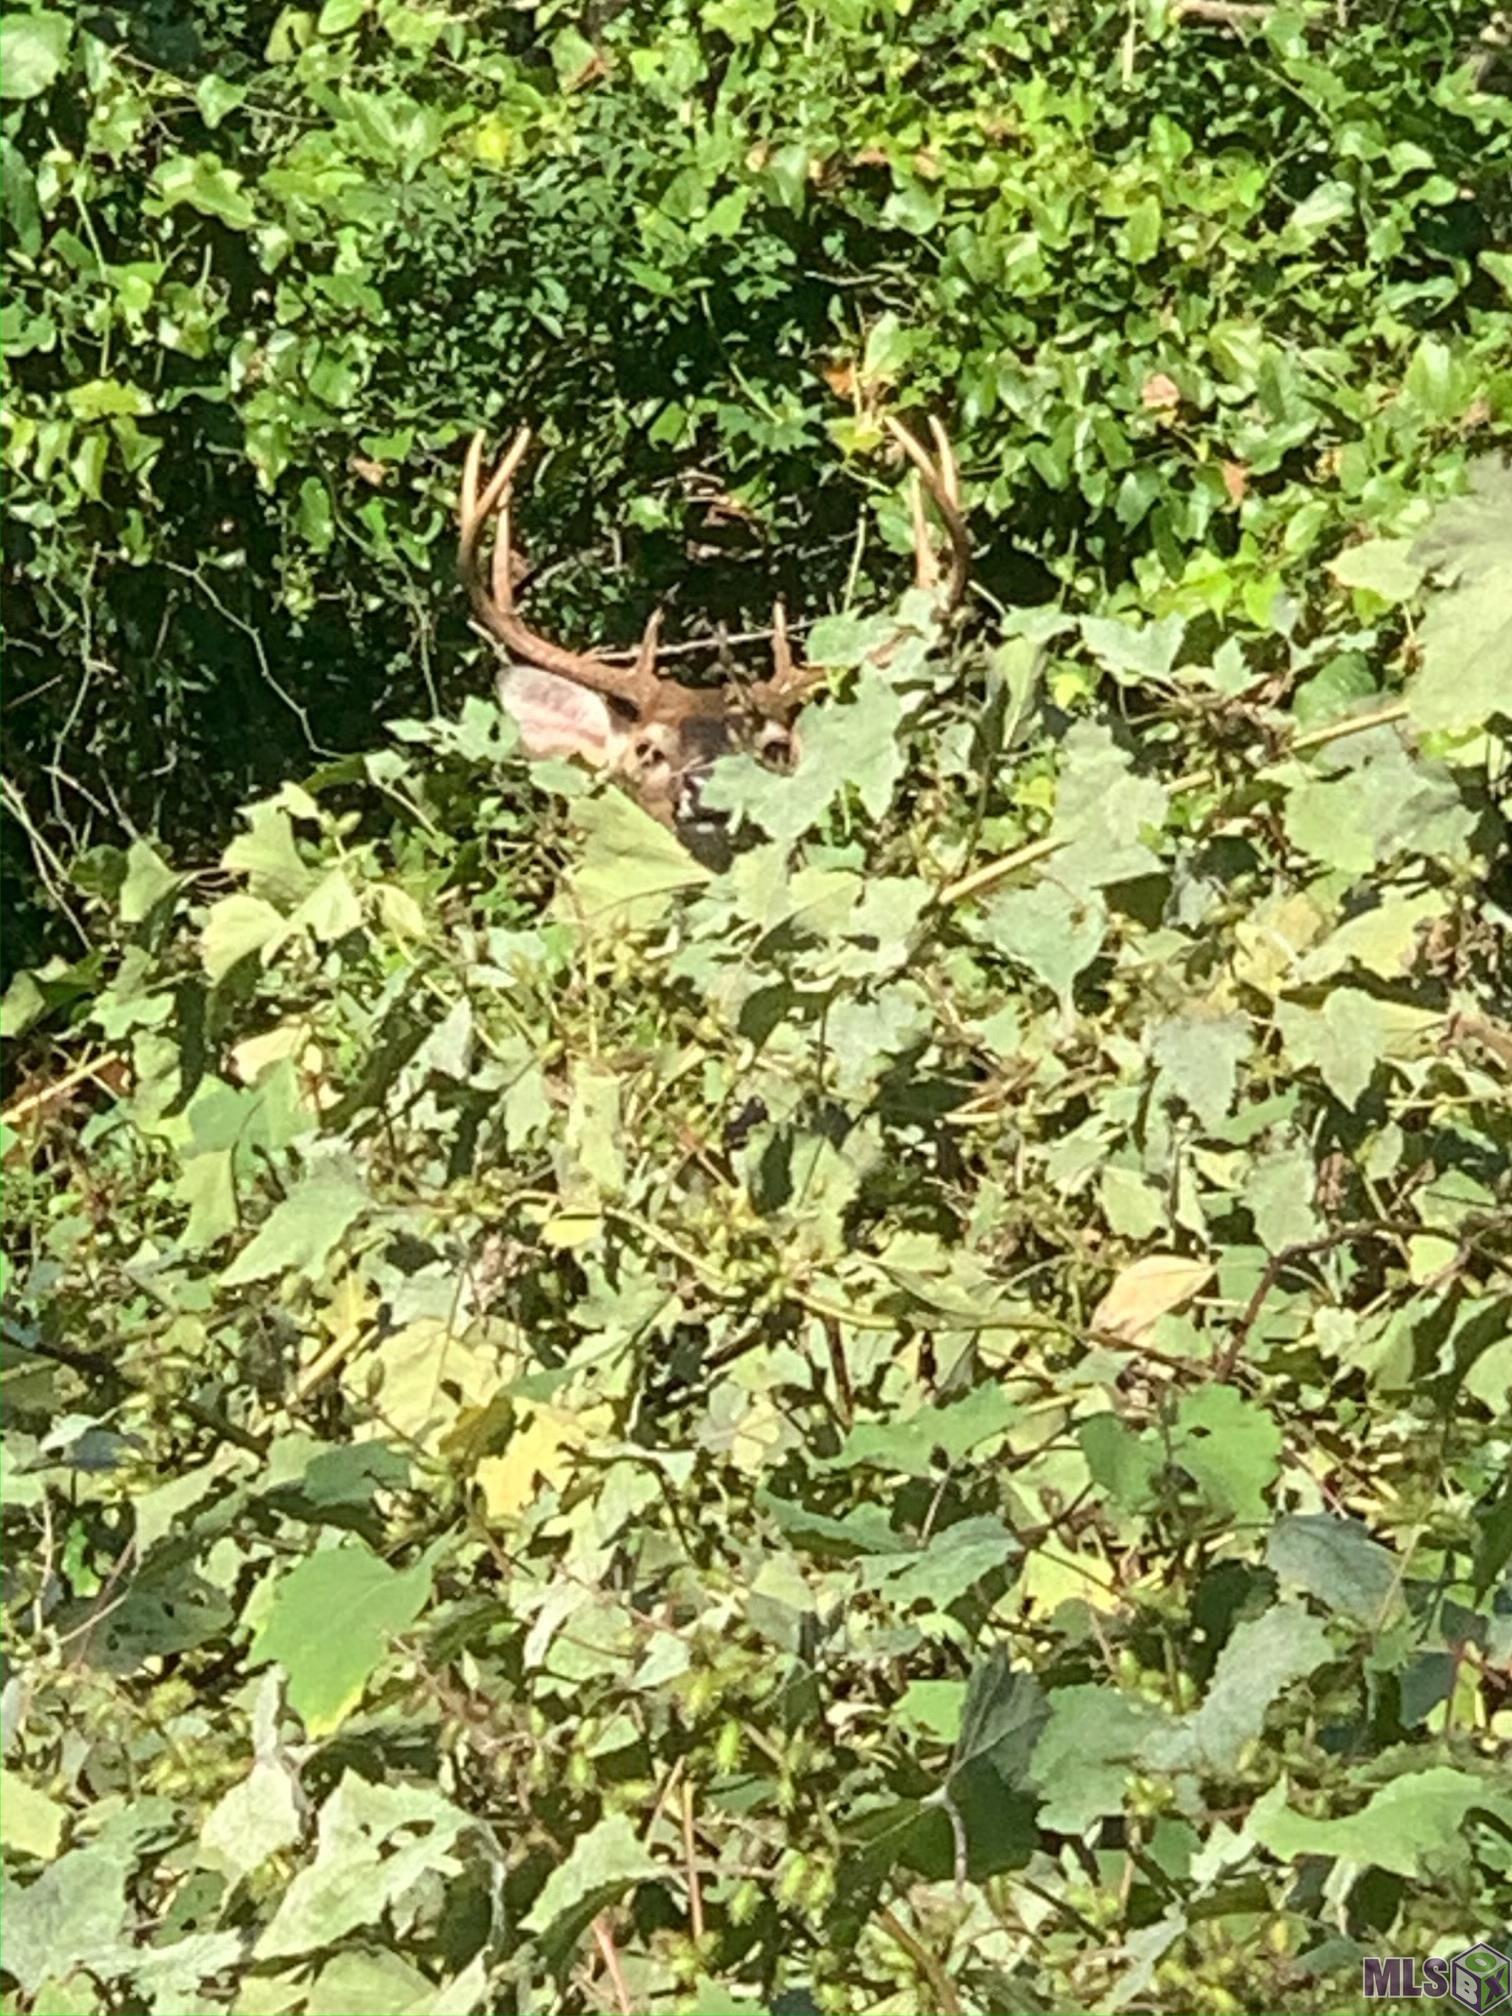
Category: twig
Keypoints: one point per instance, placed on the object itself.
(946, 2002)
(96, 1363)
(691, 646)
(695, 1888)
(607, 1948)
(1370, 1228)
(61, 1087)
(1224, 13)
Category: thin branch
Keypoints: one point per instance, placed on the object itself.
(611, 1959)
(695, 1887)
(946, 2002)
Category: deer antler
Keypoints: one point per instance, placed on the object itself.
(939, 476)
(493, 603)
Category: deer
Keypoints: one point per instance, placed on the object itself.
(653, 733)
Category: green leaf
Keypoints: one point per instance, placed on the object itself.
(330, 911)
(23, 216)
(30, 1823)
(1466, 636)
(1198, 1058)
(148, 880)
(1230, 1447)
(1001, 1720)
(914, 208)
(632, 867)
(1381, 565)
(105, 398)
(603, 1865)
(377, 1843)
(1084, 1757)
(329, 1626)
(1316, 215)
(1412, 1827)
(1130, 653)
(73, 1915)
(739, 19)
(1344, 1040)
(1048, 929)
(202, 182)
(571, 55)
(337, 16)
(235, 929)
(1336, 1562)
(33, 48)
(303, 1231)
(1264, 1656)
(1280, 1197)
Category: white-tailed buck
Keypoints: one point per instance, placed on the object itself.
(659, 736)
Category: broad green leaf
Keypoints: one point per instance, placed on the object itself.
(1466, 637)
(1264, 1657)
(1336, 1562)
(1132, 653)
(204, 183)
(1384, 566)
(1001, 1720)
(1230, 1447)
(1084, 1757)
(603, 1865)
(376, 1843)
(73, 1915)
(235, 929)
(33, 49)
(1198, 1058)
(148, 880)
(106, 399)
(1344, 1040)
(330, 1625)
(1412, 1827)
(632, 868)
(1280, 1194)
(330, 911)
(739, 19)
(1049, 930)
(337, 16)
(304, 1230)
(1328, 206)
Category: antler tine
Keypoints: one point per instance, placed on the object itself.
(926, 562)
(943, 485)
(950, 474)
(493, 604)
(791, 682)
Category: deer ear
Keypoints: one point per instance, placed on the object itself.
(555, 717)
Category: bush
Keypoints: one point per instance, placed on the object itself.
(918, 1420)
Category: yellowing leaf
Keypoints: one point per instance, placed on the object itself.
(400, 912)
(1053, 1577)
(426, 1376)
(539, 1456)
(30, 1822)
(1148, 1290)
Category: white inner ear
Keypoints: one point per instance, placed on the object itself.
(558, 718)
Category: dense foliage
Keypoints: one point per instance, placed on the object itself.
(921, 1421)
(1195, 305)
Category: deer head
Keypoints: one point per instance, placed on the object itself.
(657, 735)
